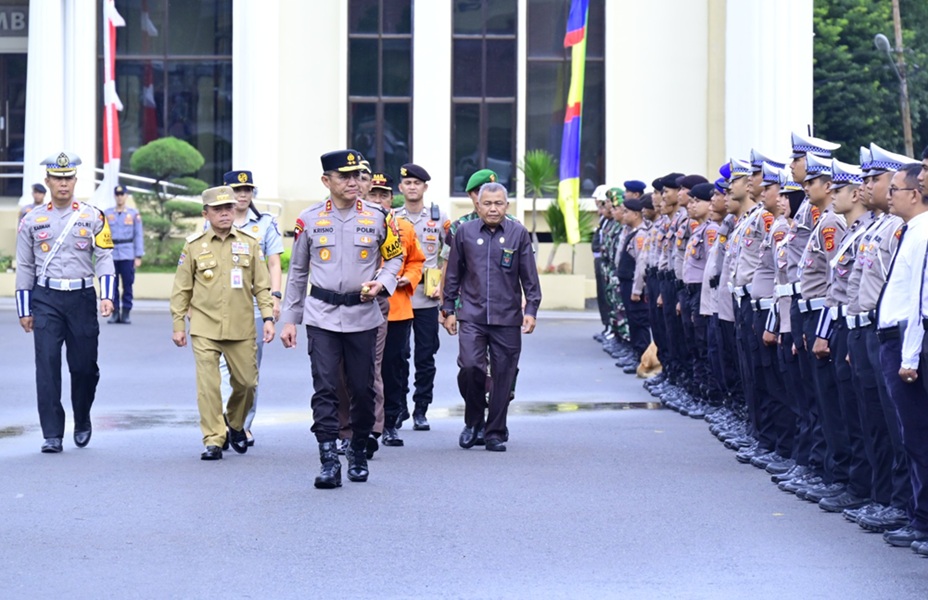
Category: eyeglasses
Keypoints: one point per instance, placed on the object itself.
(893, 189)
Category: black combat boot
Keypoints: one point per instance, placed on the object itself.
(357, 459)
(330, 476)
(125, 317)
(420, 423)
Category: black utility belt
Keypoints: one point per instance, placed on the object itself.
(693, 288)
(891, 333)
(335, 298)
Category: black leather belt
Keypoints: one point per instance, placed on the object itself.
(890, 333)
(693, 288)
(129, 241)
(335, 298)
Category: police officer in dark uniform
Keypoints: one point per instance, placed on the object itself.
(59, 248)
(128, 249)
(350, 252)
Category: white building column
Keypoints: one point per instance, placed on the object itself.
(768, 74)
(61, 89)
(256, 125)
(431, 96)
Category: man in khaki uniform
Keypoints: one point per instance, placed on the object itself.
(219, 275)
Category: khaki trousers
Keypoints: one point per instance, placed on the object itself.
(242, 359)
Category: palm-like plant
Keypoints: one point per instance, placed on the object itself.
(540, 170)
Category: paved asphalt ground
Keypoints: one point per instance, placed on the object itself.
(597, 497)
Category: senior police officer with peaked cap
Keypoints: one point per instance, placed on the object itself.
(339, 247)
(59, 248)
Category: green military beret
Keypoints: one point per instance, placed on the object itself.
(616, 196)
(479, 178)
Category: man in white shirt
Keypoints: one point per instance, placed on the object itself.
(900, 364)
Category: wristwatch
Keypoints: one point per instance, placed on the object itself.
(447, 313)
(277, 295)
(266, 319)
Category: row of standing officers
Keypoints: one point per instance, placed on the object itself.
(787, 306)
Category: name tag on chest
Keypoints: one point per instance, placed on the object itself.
(240, 248)
(237, 279)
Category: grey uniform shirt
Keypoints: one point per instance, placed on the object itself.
(748, 240)
(814, 268)
(431, 233)
(725, 302)
(339, 253)
(665, 262)
(842, 264)
(85, 249)
(781, 250)
(709, 297)
(639, 249)
(801, 228)
(681, 239)
(764, 279)
(876, 258)
(654, 241)
(696, 255)
(853, 283)
(490, 270)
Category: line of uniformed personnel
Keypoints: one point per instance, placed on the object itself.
(787, 304)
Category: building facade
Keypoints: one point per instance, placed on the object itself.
(453, 85)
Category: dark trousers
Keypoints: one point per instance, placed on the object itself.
(859, 472)
(718, 387)
(732, 366)
(395, 370)
(873, 430)
(911, 402)
(700, 327)
(68, 318)
(125, 277)
(776, 414)
(335, 357)
(673, 330)
(795, 392)
(503, 344)
(810, 428)
(637, 315)
(689, 339)
(425, 334)
(834, 432)
(655, 318)
(601, 302)
(752, 380)
(901, 486)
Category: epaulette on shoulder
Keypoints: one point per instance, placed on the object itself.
(195, 236)
(247, 233)
(372, 206)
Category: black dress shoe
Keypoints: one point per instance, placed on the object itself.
(211, 453)
(82, 438)
(370, 446)
(481, 436)
(494, 445)
(52, 446)
(419, 422)
(468, 438)
(238, 440)
(391, 437)
(251, 438)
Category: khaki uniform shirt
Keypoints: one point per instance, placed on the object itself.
(843, 264)
(339, 253)
(432, 234)
(86, 248)
(709, 297)
(814, 268)
(697, 254)
(764, 279)
(876, 258)
(218, 280)
(804, 222)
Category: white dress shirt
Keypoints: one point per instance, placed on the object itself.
(901, 300)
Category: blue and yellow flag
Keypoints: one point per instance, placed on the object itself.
(568, 190)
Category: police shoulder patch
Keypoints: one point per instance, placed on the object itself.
(828, 237)
(768, 220)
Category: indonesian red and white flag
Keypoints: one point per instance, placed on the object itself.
(112, 149)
